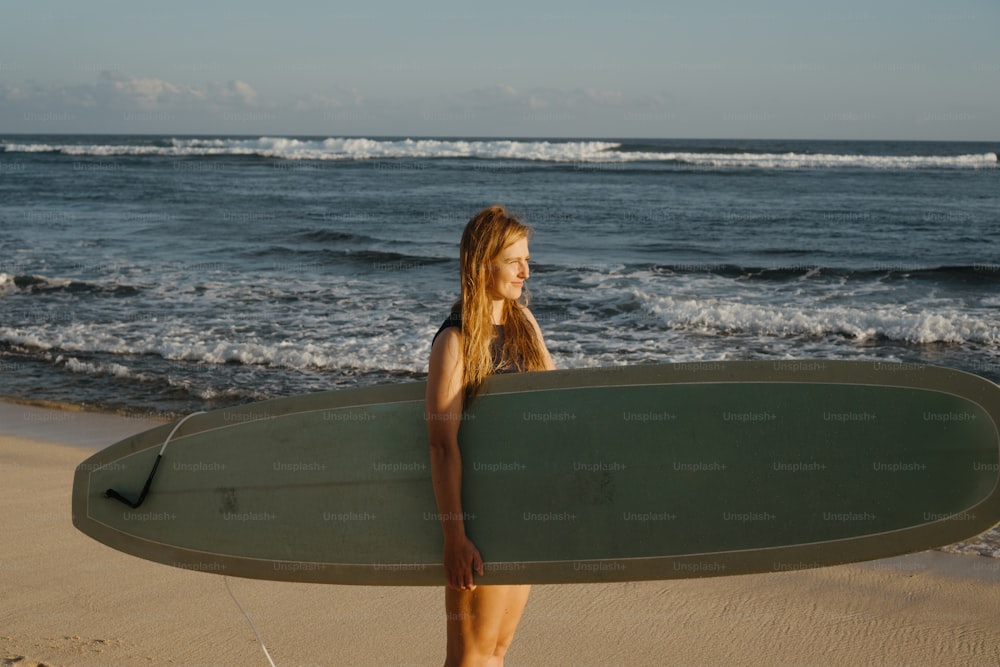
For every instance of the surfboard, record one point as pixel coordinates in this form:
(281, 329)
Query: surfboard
(585, 475)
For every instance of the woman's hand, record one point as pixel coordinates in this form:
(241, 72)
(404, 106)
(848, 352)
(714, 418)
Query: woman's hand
(461, 560)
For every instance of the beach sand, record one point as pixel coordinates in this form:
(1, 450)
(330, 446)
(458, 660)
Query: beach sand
(68, 600)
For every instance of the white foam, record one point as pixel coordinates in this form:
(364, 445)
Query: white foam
(340, 149)
(35, 282)
(860, 323)
(587, 152)
(178, 343)
(113, 369)
(822, 161)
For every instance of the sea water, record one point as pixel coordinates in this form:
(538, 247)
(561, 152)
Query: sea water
(168, 274)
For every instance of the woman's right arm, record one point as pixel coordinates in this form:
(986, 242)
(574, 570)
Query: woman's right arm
(444, 416)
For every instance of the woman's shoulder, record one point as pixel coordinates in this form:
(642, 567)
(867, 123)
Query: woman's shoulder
(527, 313)
(446, 352)
(453, 324)
(531, 318)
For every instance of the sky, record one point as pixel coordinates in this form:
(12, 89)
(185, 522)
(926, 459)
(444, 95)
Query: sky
(894, 70)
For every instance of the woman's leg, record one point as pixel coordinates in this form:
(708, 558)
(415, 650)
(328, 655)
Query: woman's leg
(481, 623)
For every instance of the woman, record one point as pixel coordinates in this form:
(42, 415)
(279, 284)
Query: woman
(490, 330)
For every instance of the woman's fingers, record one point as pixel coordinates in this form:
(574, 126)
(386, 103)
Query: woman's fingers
(461, 564)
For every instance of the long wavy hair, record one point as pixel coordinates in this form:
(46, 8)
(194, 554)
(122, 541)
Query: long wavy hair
(485, 236)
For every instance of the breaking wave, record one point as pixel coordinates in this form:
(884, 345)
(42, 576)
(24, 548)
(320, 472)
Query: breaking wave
(580, 152)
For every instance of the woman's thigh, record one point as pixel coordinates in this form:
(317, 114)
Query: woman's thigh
(483, 620)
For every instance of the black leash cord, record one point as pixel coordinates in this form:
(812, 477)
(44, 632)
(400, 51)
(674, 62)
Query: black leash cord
(111, 493)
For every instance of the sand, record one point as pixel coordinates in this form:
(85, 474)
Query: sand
(68, 600)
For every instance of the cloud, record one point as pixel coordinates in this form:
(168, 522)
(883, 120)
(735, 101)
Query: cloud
(234, 91)
(542, 99)
(149, 94)
(318, 103)
(332, 102)
(503, 109)
(14, 94)
(536, 102)
(115, 91)
(153, 94)
(115, 101)
(613, 97)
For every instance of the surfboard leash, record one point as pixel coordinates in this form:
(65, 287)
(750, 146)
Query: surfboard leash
(247, 616)
(111, 493)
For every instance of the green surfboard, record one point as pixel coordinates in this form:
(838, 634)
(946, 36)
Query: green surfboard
(606, 474)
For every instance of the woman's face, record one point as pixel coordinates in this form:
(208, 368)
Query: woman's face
(510, 270)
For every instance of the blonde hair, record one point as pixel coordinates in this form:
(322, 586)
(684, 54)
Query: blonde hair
(485, 236)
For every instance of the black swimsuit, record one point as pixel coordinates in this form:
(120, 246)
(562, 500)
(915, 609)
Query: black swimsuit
(498, 355)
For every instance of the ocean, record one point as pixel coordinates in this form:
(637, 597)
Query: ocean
(166, 274)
